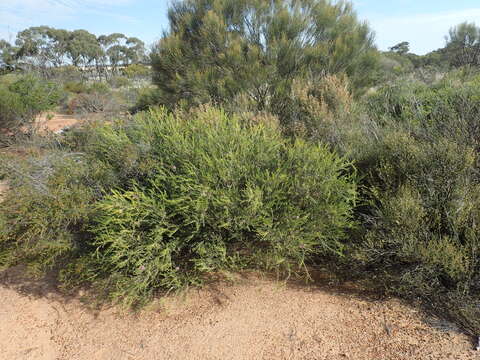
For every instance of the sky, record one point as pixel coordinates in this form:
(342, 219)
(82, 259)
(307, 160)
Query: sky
(423, 23)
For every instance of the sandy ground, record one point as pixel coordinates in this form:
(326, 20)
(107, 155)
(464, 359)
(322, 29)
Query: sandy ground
(3, 188)
(252, 319)
(55, 122)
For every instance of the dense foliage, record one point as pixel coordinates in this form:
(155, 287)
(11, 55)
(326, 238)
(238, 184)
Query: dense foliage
(156, 203)
(218, 49)
(22, 99)
(422, 230)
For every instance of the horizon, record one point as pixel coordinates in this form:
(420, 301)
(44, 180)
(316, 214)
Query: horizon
(405, 20)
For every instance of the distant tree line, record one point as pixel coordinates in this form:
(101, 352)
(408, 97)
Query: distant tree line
(45, 48)
(462, 48)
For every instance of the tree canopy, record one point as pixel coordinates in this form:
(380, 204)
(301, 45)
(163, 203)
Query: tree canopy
(216, 49)
(463, 45)
(401, 48)
(44, 48)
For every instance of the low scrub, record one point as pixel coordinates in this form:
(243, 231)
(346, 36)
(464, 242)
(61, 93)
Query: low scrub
(166, 199)
(416, 149)
(421, 232)
(22, 100)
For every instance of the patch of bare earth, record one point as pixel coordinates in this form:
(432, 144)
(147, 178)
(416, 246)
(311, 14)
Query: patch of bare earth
(55, 122)
(253, 319)
(3, 189)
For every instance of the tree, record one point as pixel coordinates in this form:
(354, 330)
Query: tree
(59, 40)
(7, 56)
(136, 52)
(83, 48)
(33, 46)
(401, 48)
(217, 49)
(463, 45)
(120, 50)
(42, 46)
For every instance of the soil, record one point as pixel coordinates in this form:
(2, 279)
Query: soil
(253, 318)
(3, 189)
(55, 122)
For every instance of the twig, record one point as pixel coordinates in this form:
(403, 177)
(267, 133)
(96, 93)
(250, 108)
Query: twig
(27, 176)
(386, 326)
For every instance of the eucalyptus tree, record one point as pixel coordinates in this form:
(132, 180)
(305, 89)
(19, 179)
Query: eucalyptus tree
(401, 48)
(114, 51)
(463, 45)
(43, 46)
(117, 52)
(7, 56)
(58, 45)
(83, 48)
(34, 48)
(104, 42)
(136, 51)
(216, 49)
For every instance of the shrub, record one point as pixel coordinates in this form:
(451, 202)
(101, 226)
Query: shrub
(36, 95)
(43, 223)
(119, 81)
(97, 98)
(76, 87)
(98, 87)
(447, 109)
(22, 100)
(313, 107)
(88, 103)
(185, 195)
(420, 232)
(147, 96)
(137, 71)
(11, 109)
(423, 231)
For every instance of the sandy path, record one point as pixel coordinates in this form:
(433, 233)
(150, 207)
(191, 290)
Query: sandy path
(254, 319)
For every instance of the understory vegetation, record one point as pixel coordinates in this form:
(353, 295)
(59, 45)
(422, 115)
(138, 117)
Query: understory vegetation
(161, 200)
(319, 152)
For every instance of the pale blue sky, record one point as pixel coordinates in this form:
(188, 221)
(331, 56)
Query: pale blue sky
(424, 23)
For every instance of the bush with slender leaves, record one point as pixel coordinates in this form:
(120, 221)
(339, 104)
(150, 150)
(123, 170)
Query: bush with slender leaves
(169, 198)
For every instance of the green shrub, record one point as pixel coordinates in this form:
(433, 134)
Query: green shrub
(22, 100)
(137, 71)
(145, 98)
(11, 109)
(119, 82)
(43, 222)
(421, 233)
(36, 95)
(168, 198)
(448, 109)
(98, 87)
(75, 87)
(216, 50)
(81, 87)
